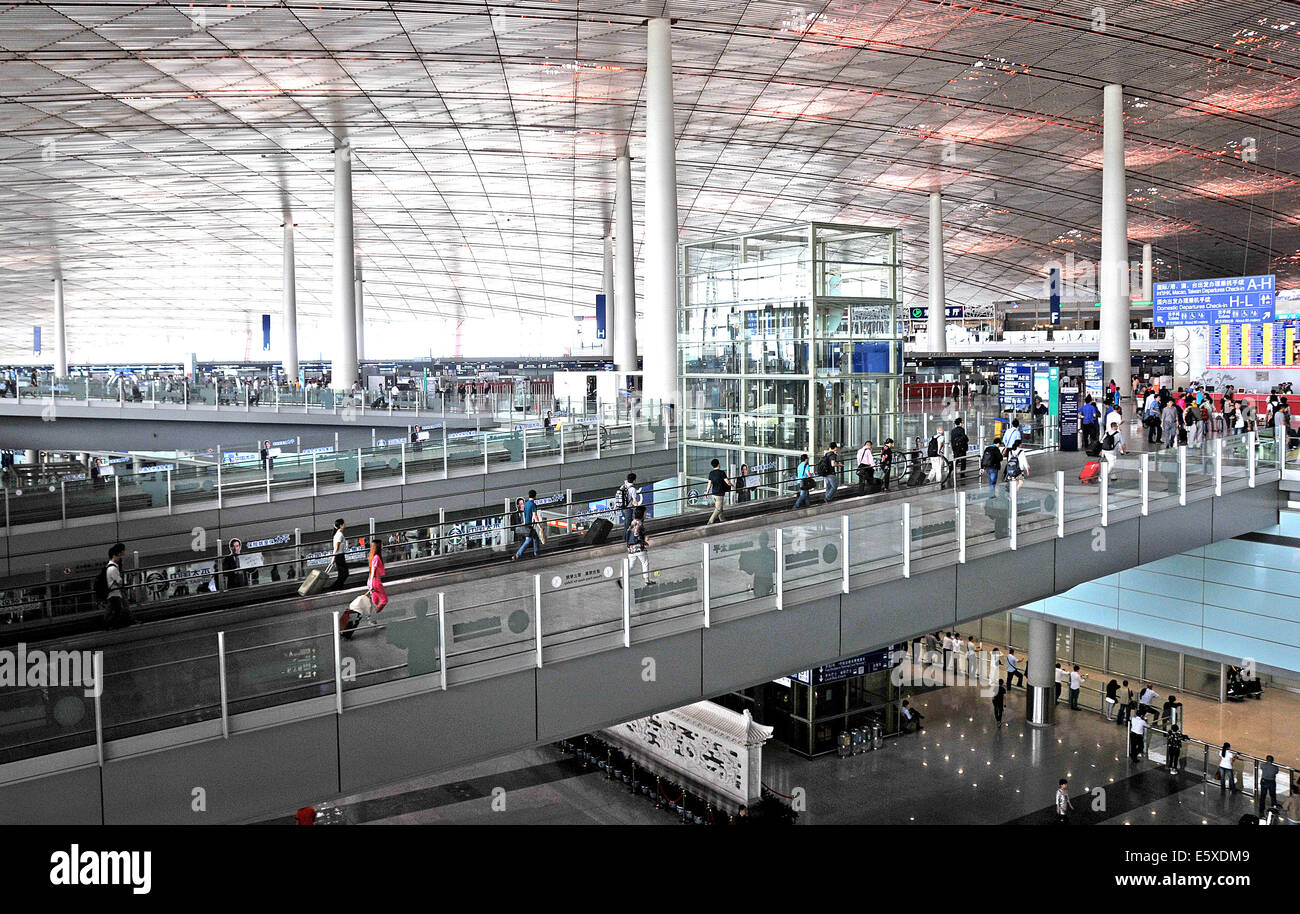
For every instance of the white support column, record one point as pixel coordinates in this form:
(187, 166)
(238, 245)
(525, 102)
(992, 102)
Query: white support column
(221, 672)
(1218, 466)
(1115, 349)
(361, 319)
(1148, 274)
(627, 600)
(442, 639)
(660, 378)
(290, 315)
(1104, 491)
(607, 289)
(338, 666)
(1251, 458)
(344, 363)
(60, 332)
(936, 318)
(624, 331)
(537, 615)
(1013, 499)
(1182, 474)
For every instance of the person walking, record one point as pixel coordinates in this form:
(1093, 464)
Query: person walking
(991, 463)
(1227, 774)
(1112, 700)
(999, 702)
(1060, 678)
(828, 468)
(958, 446)
(803, 477)
(1063, 804)
(1127, 704)
(972, 659)
(741, 484)
(1017, 467)
(1268, 785)
(340, 548)
(530, 527)
(626, 499)
(1013, 669)
(718, 488)
(638, 547)
(375, 583)
(1076, 682)
(911, 716)
(886, 463)
(110, 589)
(1089, 419)
(1174, 748)
(1137, 728)
(866, 469)
(934, 451)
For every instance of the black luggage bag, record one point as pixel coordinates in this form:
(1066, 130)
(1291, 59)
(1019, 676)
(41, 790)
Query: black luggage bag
(597, 533)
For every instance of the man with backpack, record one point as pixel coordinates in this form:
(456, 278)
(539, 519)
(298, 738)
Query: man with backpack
(991, 463)
(828, 468)
(803, 477)
(934, 451)
(626, 500)
(959, 443)
(110, 589)
(1112, 445)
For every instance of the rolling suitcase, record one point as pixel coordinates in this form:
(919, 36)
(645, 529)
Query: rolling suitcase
(597, 532)
(313, 584)
(348, 623)
(1091, 471)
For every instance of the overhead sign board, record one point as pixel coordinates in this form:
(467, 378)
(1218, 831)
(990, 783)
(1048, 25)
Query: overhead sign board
(1016, 385)
(951, 312)
(1197, 302)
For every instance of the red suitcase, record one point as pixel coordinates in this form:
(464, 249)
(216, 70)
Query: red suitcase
(1091, 471)
(348, 622)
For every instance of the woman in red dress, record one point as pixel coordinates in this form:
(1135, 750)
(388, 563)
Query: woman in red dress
(375, 585)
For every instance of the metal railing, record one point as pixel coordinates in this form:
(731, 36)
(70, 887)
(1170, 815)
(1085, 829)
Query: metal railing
(508, 619)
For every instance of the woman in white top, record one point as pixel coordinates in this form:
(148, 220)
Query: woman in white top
(1227, 775)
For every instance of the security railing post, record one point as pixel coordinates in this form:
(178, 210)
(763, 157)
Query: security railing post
(844, 552)
(267, 470)
(627, 600)
(169, 491)
(961, 527)
(562, 425)
(1104, 487)
(1060, 504)
(98, 663)
(403, 463)
(598, 433)
(338, 666)
(525, 436)
(117, 495)
(907, 539)
(442, 639)
(484, 438)
(537, 613)
(221, 670)
(1144, 482)
(707, 562)
(1182, 474)
(359, 485)
(314, 487)
(1250, 459)
(445, 462)
(63, 500)
(1013, 498)
(780, 568)
(1218, 466)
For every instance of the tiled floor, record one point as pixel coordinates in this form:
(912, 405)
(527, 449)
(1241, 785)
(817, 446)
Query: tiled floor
(963, 769)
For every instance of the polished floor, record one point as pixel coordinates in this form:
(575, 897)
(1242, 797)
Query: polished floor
(962, 769)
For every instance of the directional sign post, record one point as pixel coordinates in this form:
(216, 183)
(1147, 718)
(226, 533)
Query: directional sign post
(1237, 300)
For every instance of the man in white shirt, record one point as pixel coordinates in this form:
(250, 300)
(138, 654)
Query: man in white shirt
(972, 659)
(1013, 669)
(866, 469)
(1063, 804)
(1060, 678)
(340, 548)
(116, 611)
(1147, 700)
(947, 649)
(1076, 682)
(1137, 727)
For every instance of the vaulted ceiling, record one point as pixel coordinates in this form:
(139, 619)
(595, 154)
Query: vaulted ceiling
(150, 151)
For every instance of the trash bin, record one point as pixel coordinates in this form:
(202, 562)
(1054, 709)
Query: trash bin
(844, 744)
(877, 735)
(859, 741)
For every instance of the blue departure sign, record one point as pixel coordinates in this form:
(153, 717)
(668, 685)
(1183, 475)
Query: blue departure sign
(1236, 300)
(1016, 385)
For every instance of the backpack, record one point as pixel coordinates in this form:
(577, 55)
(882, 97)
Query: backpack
(100, 586)
(620, 497)
(932, 449)
(1013, 466)
(824, 465)
(960, 443)
(990, 459)
(1108, 442)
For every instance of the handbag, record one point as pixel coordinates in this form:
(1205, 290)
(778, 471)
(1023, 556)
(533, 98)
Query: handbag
(362, 604)
(540, 530)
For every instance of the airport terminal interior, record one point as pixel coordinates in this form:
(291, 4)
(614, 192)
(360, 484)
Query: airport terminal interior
(694, 413)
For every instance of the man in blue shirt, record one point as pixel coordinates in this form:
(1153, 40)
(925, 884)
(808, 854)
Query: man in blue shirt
(530, 528)
(1012, 435)
(1089, 421)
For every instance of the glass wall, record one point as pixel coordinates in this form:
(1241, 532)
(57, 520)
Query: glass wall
(789, 340)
